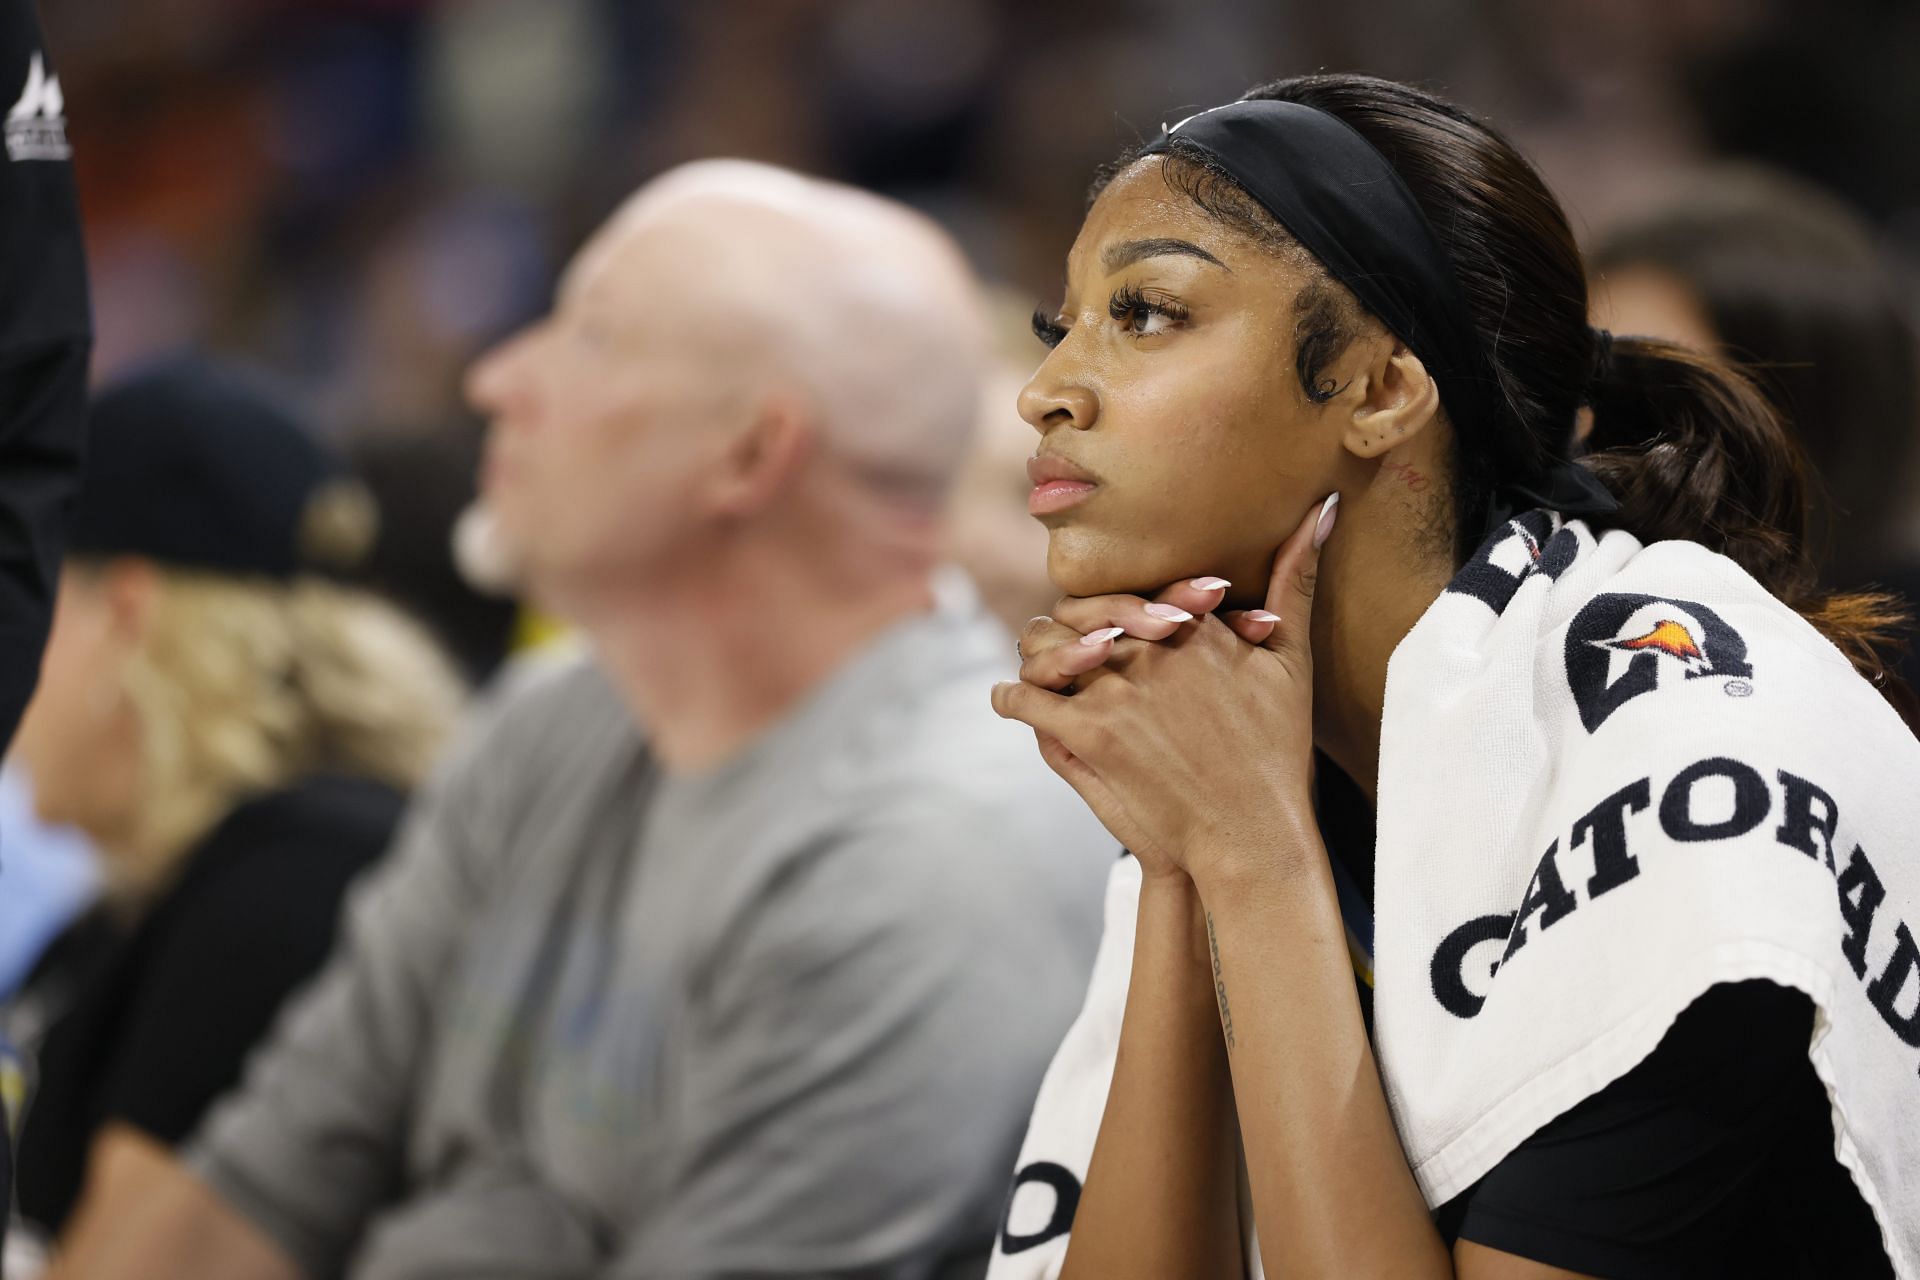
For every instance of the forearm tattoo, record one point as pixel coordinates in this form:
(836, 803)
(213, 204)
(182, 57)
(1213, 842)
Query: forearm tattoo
(1220, 984)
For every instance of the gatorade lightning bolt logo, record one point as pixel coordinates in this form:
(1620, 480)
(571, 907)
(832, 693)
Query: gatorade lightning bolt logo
(1668, 637)
(1620, 646)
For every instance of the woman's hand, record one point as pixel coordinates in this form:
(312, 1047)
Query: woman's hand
(1076, 639)
(1189, 745)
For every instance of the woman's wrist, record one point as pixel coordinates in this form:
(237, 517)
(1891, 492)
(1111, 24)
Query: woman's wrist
(1283, 852)
(1170, 907)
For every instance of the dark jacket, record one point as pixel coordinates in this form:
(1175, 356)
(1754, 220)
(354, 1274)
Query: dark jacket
(45, 338)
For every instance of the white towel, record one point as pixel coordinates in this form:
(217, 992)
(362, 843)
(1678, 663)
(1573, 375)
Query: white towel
(1611, 776)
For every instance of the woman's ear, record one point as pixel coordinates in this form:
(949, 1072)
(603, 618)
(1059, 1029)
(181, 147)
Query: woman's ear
(130, 586)
(1396, 403)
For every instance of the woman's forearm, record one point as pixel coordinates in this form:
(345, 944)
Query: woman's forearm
(1332, 1193)
(1161, 1195)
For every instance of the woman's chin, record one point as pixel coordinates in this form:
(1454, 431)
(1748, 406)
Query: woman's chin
(1099, 571)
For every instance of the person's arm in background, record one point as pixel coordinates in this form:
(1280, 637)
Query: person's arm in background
(283, 1177)
(231, 955)
(46, 335)
(145, 1213)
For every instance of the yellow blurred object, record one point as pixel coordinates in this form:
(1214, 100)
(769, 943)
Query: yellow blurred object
(534, 630)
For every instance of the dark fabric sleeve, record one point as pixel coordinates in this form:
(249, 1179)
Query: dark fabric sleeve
(1713, 1157)
(45, 338)
(229, 954)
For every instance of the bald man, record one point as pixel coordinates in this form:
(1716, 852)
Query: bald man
(738, 950)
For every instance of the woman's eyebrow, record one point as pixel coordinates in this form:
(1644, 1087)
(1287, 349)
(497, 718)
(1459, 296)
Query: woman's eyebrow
(1128, 252)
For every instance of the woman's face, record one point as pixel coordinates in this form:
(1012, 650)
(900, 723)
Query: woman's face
(78, 738)
(1648, 300)
(1175, 438)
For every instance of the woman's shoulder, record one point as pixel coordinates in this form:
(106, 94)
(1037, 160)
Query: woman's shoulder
(318, 828)
(1699, 612)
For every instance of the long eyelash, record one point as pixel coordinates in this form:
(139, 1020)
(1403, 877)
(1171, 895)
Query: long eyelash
(1128, 300)
(1047, 329)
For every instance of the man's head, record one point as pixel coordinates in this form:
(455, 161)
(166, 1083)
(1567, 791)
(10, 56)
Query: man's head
(742, 363)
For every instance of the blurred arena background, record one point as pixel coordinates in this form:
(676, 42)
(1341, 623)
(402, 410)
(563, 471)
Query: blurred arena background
(359, 194)
(356, 198)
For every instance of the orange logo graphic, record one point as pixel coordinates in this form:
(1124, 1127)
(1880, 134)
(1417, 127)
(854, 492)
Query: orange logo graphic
(1668, 637)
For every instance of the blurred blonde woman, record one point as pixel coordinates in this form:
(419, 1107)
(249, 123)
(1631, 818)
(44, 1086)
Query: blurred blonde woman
(236, 731)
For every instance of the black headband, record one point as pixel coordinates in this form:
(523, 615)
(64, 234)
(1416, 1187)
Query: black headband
(1337, 195)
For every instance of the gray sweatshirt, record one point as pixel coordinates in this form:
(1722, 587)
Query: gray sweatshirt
(785, 1018)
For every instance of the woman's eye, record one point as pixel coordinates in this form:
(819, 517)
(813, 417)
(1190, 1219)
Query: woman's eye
(1047, 329)
(1145, 321)
(1142, 317)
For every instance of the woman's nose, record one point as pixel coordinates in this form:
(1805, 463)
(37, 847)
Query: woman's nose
(1052, 399)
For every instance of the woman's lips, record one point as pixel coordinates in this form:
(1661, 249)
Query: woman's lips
(1050, 496)
(1057, 484)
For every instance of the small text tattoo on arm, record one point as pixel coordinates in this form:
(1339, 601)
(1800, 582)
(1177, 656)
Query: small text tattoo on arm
(1220, 984)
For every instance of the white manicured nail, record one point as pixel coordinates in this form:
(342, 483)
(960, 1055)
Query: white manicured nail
(1103, 635)
(1328, 511)
(1171, 613)
(1209, 584)
(1261, 615)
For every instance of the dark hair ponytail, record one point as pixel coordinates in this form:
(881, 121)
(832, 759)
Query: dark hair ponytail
(1687, 444)
(1694, 450)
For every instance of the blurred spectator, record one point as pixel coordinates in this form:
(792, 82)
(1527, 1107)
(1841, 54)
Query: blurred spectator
(740, 950)
(993, 536)
(422, 479)
(52, 874)
(235, 734)
(45, 336)
(346, 192)
(1782, 276)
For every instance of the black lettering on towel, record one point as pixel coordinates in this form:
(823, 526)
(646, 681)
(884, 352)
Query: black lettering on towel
(1066, 1202)
(1799, 823)
(1861, 894)
(1547, 895)
(1886, 990)
(1448, 972)
(1749, 801)
(1606, 826)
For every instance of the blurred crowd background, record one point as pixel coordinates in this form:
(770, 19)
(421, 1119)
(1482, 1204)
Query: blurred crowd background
(355, 198)
(358, 195)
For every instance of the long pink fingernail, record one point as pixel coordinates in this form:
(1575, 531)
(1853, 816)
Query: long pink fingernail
(1261, 615)
(1103, 635)
(1328, 510)
(1171, 612)
(1209, 584)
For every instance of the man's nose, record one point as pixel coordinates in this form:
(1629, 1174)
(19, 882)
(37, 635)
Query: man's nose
(495, 378)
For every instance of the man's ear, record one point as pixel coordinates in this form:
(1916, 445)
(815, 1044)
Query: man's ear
(761, 462)
(1396, 403)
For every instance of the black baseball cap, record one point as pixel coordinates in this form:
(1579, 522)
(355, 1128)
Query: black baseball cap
(194, 463)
